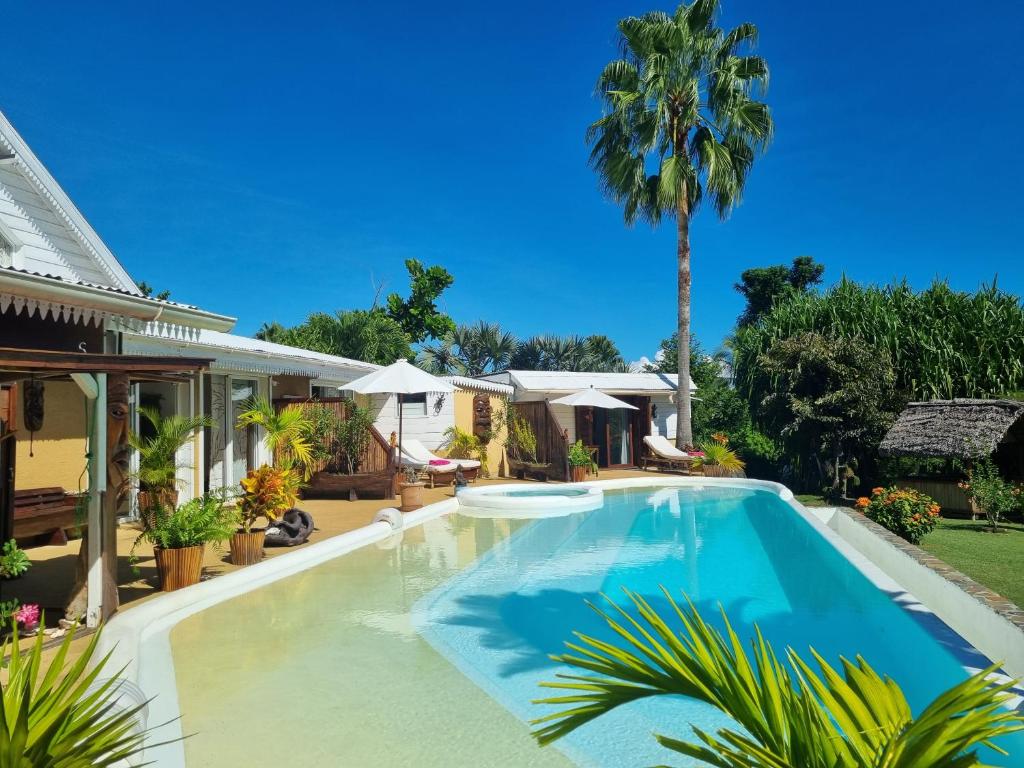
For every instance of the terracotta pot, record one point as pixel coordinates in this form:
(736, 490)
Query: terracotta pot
(247, 548)
(179, 567)
(150, 501)
(715, 470)
(579, 473)
(412, 496)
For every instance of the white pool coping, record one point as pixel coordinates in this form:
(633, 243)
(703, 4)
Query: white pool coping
(542, 500)
(139, 638)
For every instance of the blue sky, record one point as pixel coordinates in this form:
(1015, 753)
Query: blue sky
(266, 161)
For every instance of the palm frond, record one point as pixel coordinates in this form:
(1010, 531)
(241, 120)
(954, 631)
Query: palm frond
(792, 715)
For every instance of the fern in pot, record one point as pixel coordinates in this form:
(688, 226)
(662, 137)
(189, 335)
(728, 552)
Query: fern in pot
(580, 461)
(267, 493)
(179, 536)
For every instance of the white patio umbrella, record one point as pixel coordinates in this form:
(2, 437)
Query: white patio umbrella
(593, 398)
(400, 378)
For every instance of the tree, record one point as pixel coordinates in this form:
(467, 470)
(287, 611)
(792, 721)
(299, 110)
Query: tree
(763, 286)
(470, 350)
(147, 290)
(418, 315)
(682, 122)
(568, 353)
(359, 334)
(829, 397)
(789, 714)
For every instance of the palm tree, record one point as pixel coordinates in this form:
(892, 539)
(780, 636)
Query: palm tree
(604, 355)
(792, 715)
(158, 464)
(285, 432)
(682, 122)
(470, 350)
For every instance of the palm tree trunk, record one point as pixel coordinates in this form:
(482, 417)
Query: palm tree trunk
(684, 428)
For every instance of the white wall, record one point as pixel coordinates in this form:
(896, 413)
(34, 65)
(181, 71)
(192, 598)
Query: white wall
(428, 429)
(47, 245)
(664, 421)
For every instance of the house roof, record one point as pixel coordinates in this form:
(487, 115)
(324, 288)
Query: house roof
(571, 381)
(959, 428)
(79, 301)
(479, 385)
(31, 168)
(233, 352)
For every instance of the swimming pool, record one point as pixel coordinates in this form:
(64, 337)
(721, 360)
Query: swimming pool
(426, 648)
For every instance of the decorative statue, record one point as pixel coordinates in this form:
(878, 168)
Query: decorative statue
(482, 416)
(118, 392)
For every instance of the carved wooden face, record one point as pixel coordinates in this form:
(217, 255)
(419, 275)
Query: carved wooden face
(33, 401)
(481, 415)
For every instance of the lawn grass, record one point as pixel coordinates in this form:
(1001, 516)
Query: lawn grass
(813, 500)
(993, 559)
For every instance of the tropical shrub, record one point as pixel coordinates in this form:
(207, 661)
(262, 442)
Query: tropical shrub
(321, 432)
(993, 495)
(942, 343)
(354, 435)
(206, 519)
(465, 445)
(285, 432)
(521, 442)
(267, 492)
(58, 714)
(579, 456)
(790, 714)
(908, 513)
(158, 454)
(13, 560)
(718, 454)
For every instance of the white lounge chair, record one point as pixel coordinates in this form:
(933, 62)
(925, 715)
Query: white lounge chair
(438, 469)
(664, 455)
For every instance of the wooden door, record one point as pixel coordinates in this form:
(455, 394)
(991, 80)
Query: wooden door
(8, 451)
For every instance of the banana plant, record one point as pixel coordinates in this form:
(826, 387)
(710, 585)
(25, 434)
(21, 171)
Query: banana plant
(792, 715)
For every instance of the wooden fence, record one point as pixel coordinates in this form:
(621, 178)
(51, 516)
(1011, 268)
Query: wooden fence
(552, 443)
(376, 458)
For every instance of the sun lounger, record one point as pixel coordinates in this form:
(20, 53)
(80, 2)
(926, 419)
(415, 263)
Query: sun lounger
(438, 469)
(661, 453)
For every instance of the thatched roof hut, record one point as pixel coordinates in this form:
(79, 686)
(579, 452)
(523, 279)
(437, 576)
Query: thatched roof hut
(959, 429)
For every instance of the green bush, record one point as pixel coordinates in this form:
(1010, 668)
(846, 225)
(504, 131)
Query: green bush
(993, 495)
(13, 560)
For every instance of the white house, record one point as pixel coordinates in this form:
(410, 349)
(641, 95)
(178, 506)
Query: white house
(615, 434)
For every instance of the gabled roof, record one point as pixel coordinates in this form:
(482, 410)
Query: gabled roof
(232, 352)
(28, 166)
(571, 381)
(959, 428)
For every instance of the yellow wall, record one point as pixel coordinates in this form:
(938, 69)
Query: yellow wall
(59, 447)
(464, 421)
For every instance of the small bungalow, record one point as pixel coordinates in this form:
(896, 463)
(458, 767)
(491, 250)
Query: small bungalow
(961, 429)
(616, 436)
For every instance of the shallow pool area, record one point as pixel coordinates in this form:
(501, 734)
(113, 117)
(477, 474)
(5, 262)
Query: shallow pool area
(425, 648)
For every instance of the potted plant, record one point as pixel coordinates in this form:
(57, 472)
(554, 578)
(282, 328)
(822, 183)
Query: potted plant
(179, 536)
(13, 560)
(158, 457)
(718, 460)
(580, 461)
(267, 493)
(411, 490)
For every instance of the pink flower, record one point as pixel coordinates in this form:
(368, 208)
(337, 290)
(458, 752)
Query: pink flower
(27, 615)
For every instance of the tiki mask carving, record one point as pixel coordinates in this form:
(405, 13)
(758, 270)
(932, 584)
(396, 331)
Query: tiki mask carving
(118, 389)
(32, 405)
(481, 416)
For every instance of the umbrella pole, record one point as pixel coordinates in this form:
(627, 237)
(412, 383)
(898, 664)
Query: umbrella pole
(401, 397)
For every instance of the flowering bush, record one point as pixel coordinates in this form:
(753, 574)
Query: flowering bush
(990, 493)
(27, 615)
(906, 512)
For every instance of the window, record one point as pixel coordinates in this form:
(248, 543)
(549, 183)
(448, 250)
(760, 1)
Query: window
(414, 405)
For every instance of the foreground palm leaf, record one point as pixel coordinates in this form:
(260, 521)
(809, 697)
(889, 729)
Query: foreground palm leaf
(63, 717)
(793, 716)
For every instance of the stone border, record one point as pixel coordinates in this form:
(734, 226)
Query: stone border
(993, 600)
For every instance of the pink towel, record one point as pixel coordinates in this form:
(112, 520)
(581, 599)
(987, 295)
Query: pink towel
(438, 462)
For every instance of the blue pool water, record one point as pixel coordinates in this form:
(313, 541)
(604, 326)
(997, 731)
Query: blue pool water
(499, 619)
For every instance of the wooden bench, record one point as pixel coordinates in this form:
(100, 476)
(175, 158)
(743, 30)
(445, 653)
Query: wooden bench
(42, 511)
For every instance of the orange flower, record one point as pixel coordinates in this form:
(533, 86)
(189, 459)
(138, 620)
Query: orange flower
(863, 502)
(876, 491)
